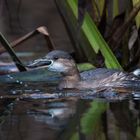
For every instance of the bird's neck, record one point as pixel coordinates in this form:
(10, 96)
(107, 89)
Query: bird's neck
(70, 79)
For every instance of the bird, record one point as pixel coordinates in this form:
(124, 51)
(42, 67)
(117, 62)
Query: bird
(63, 63)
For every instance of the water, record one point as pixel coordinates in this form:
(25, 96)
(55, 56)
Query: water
(36, 111)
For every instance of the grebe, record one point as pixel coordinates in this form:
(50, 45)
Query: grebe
(62, 62)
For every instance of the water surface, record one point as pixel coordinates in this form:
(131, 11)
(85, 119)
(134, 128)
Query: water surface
(37, 111)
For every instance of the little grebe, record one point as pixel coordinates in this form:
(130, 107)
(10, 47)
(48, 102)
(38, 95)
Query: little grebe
(62, 62)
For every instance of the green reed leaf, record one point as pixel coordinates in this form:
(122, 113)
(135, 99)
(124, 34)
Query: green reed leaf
(94, 37)
(137, 18)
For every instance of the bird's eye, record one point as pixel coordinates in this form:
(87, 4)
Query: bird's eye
(55, 58)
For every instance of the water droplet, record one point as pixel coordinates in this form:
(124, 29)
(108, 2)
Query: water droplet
(9, 76)
(37, 90)
(136, 95)
(17, 99)
(14, 92)
(25, 85)
(1, 97)
(21, 82)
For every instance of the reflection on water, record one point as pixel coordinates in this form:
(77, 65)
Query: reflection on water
(36, 112)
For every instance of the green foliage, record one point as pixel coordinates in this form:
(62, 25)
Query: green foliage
(98, 43)
(75, 136)
(138, 132)
(137, 18)
(95, 38)
(115, 8)
(91, 120)
(85, 66)
(100, 6)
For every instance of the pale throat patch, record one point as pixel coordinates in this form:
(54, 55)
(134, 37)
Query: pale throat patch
(59, 67)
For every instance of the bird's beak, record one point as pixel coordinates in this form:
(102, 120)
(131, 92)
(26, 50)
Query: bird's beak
(40, 63)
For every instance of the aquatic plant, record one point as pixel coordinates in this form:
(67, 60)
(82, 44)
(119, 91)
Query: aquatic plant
(88, 24)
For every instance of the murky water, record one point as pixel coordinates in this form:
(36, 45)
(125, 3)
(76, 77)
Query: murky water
(36, 111)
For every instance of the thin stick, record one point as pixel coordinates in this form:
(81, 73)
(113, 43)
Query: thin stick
(16, 60)
(40, 30)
